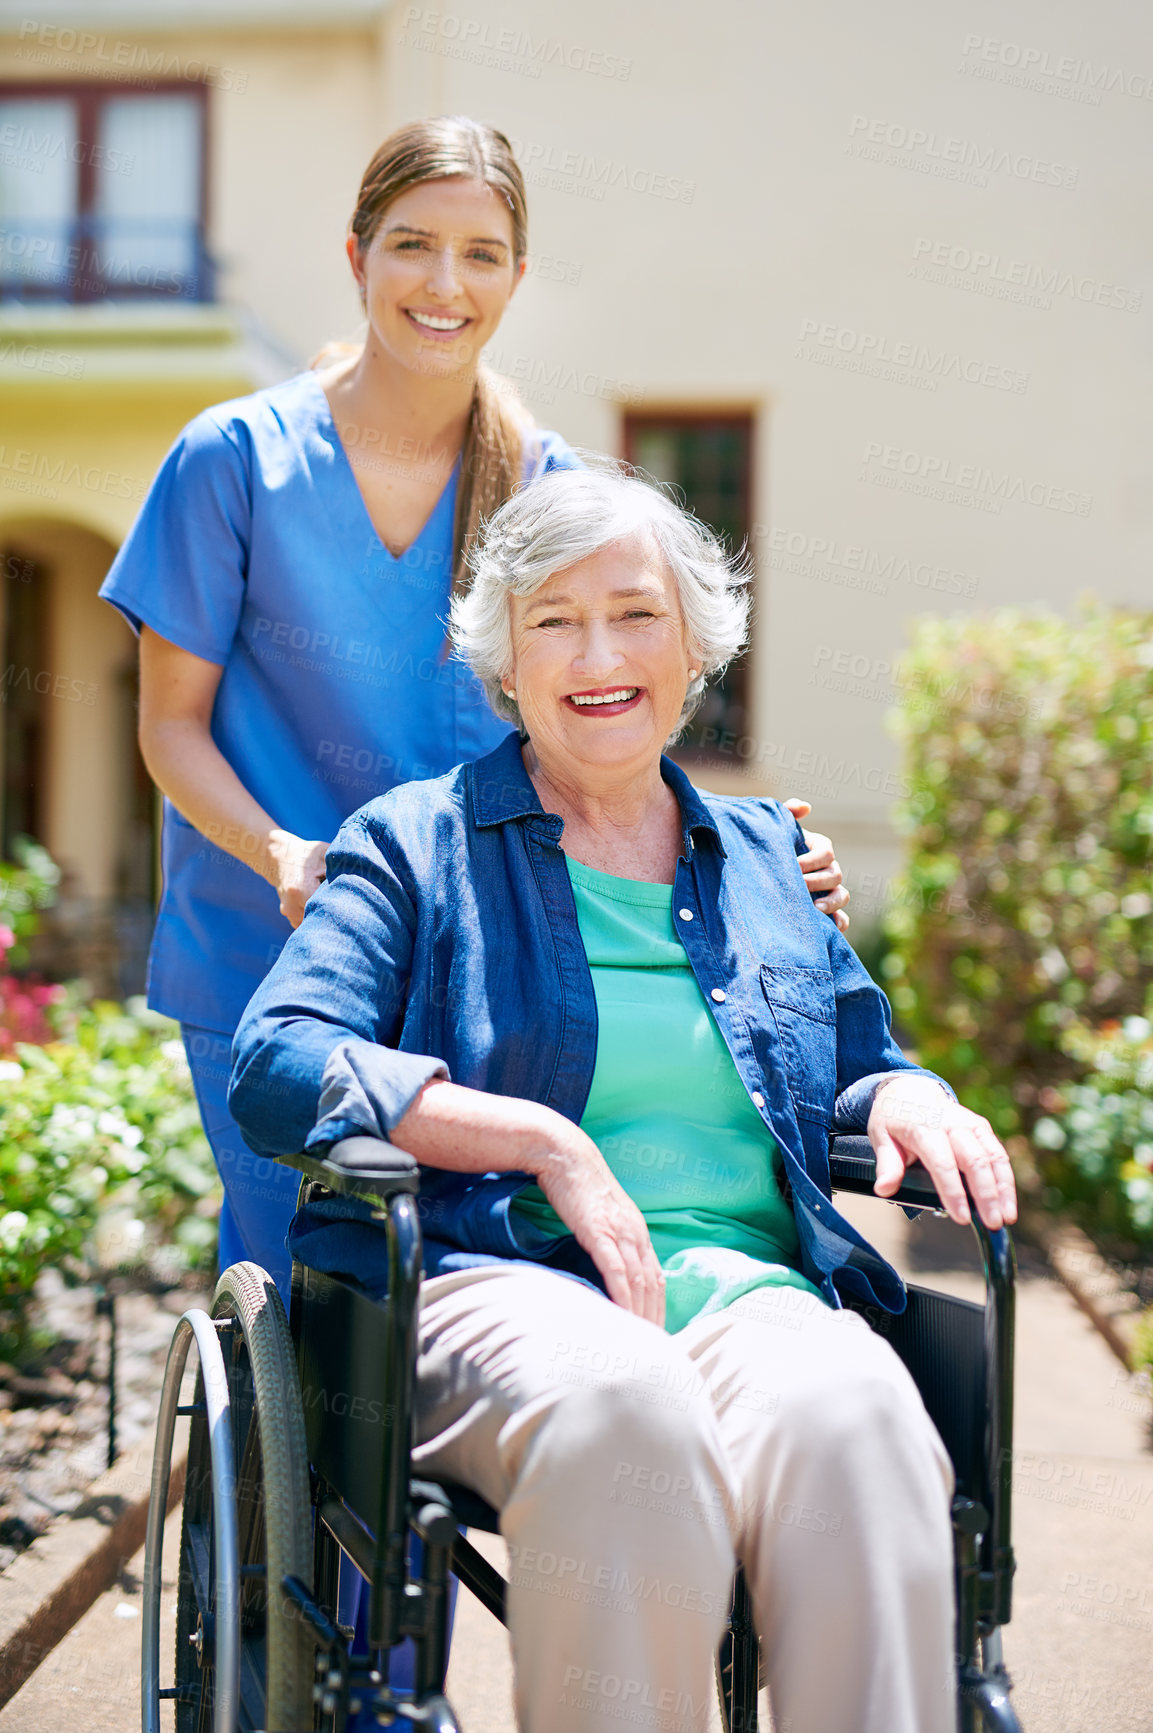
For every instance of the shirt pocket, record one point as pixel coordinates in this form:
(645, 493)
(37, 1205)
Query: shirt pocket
(804, 1009)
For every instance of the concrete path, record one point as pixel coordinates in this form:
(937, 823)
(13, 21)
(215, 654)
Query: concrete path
(1081, 1643)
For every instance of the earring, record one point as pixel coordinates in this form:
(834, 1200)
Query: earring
(693, 672)
(511, 693)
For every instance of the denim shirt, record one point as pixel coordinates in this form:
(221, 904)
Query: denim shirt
(444, 943)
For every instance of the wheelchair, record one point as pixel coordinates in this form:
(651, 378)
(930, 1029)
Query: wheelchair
(298, 1457)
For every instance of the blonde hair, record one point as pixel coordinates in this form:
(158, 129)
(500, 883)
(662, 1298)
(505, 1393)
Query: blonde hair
(501, 434)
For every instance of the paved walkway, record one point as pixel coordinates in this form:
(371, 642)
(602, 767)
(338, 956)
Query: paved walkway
(1081, 1643)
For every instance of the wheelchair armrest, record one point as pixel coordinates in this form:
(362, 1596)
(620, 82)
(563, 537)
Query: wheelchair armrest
(853, 1167)
(365, 1167)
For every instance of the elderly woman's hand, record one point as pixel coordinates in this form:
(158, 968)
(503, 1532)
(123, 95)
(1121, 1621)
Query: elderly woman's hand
(471, 1131)
(580, 1186)
(821, 870)
(913, 1119)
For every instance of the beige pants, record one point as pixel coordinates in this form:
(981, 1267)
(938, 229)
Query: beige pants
(632, 1468)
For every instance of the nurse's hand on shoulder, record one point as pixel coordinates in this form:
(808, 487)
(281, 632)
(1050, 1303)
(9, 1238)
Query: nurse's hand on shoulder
(913, 1119)
(821, 869)
(299, 868)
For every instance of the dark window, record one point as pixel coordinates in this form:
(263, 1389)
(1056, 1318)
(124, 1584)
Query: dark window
(21, 696)
(102, 192)
(708, 459)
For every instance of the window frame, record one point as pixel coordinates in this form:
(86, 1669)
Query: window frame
(678, 416)
(88, 94)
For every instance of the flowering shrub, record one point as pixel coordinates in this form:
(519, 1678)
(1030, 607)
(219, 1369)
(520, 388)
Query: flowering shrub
(103, 1164)
(1020, 952)
(26, 887)
(1096, 1142)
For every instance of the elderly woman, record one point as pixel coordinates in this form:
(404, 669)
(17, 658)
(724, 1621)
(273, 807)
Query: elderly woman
(599, 1008)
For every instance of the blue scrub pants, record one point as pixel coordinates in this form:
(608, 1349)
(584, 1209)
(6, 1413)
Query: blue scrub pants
(259, 1195)
(259, 1203)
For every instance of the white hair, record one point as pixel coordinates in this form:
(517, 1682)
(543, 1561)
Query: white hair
(567, 516)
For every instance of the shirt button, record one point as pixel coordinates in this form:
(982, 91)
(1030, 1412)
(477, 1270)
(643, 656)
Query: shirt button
(685, 914)
(717, 996)
(758, 1098)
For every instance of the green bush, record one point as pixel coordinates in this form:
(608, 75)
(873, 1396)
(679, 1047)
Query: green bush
(1095, 1145)
(103, 1164)
(1141, 1352)
(1021, 931)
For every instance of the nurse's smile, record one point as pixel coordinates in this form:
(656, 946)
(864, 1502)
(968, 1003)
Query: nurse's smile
(436, 325)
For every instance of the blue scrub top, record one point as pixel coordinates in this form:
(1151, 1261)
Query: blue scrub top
(254, 550)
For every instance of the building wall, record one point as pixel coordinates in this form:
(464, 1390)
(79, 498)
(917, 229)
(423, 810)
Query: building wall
(87, 455)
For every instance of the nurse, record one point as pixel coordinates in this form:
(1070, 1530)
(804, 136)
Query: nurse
(289, 576)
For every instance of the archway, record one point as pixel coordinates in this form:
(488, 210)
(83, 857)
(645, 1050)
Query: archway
(72, 773)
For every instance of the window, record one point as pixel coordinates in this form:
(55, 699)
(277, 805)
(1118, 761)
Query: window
(22, 716)
(102, 193)
(708, 458)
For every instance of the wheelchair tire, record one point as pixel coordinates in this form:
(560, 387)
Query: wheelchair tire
(273, 1508)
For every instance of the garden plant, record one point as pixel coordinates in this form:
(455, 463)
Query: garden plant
(103, 1165)
(1019, 953)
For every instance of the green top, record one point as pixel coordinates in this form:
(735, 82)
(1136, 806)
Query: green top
(669, 1113)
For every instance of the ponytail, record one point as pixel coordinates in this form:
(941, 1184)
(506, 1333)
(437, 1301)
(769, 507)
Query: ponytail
(500, 438)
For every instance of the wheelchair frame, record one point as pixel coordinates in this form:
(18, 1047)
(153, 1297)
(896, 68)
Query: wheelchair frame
(348, 1431)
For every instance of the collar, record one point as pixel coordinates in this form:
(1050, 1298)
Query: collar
(501, 790)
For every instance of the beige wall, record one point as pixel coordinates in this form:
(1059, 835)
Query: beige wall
(289, 151)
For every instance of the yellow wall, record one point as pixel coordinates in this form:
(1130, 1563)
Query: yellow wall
(90, 651)
(87, 457)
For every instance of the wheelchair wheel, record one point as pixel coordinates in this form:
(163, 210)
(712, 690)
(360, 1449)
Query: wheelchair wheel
(267, 1482)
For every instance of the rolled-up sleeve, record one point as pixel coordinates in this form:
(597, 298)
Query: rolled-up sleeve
(316, 1055)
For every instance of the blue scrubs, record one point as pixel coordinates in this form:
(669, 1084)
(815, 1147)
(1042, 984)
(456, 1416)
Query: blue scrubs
(254, 550)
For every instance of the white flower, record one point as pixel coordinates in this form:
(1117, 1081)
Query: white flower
(12, 1225)
(1136, 1028)
(115, 1125)
(1047, 1134)
(10, 1071)
(71, 1125)
(1136, 905)
(127, 1156)
(117, 1239)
